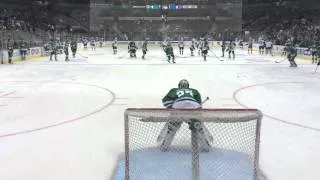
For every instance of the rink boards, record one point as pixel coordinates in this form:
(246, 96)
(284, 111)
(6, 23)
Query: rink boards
(37, 52)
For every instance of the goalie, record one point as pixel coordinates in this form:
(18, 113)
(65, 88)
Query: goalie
(183, 97)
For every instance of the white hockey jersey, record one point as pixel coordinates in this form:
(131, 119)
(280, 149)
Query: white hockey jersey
(268, 44)
(181, 44)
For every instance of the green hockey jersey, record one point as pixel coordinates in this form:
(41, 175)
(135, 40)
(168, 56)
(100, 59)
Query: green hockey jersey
(73, 45)
(292, 51)
(145, 46)
(177, 95)
(231, 47)
(169, 51)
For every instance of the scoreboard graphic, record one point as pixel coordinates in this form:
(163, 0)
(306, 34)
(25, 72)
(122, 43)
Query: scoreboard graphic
(170, 6)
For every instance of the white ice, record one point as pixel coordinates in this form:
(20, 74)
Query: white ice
(75, 110)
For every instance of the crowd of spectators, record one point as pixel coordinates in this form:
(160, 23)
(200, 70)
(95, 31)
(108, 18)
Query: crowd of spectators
(282, 23)
(276, 24)
(17, 19)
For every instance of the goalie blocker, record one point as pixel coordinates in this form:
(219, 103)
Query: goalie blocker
(184, 97)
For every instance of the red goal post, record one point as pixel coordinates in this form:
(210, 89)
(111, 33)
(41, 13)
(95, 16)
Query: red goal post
(235, 131)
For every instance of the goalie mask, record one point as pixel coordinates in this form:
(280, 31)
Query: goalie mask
(183, 84)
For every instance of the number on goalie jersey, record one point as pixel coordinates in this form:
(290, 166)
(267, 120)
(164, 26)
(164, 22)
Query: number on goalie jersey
(182, 97)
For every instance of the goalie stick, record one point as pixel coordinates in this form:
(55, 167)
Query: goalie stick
(205, 129)
(205, 100)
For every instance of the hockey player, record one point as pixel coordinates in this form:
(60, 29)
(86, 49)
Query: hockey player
(269, 47)
(101, 42)
(223, 47)
(230, 50)
(205, 48)
(23, 49)
(74, 47)
(181, 46)
(286, 46)
(144, 48)
(241, 44)
(115, 45)
(53, 46)
(85, 43)
(183, 97)
(196, 42)
(292, 53)
(10, 50)
(250, 44)
(192, 47)
(132, 48)
(93, 44)
(314, 53)
(201, 42)
(169, 53)
(66, 50)
(284, 50)
(261, 46)
(164, 45)
(318, 53)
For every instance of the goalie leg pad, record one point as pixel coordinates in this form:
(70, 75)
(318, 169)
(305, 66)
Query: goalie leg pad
(204, 140)
(167, 134)
(204, 135)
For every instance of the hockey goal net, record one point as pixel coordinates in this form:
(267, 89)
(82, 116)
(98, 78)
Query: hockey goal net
(234, 144)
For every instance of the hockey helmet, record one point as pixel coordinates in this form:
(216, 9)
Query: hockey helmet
(183, 84)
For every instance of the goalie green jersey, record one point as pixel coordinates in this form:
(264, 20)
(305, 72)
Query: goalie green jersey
(178, 95)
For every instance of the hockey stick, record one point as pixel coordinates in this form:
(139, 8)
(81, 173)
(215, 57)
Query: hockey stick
(315, 70)
(123, 55)
(220, 59)
(82, 56)
(181, 56)
(281, 60)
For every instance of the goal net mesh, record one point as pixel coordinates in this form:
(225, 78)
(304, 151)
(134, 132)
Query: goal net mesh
(233, 153)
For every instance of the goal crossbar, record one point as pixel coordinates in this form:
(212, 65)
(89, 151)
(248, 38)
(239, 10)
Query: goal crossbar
(204, 115)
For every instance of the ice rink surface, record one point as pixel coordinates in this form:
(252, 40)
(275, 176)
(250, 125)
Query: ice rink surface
(64, 121)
